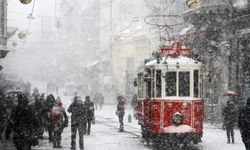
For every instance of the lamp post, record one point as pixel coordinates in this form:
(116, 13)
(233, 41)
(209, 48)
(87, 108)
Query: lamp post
(3, 29)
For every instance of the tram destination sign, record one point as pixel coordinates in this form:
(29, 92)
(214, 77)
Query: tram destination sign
(175, 50)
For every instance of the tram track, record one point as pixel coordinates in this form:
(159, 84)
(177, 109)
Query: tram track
(137, 134)
(111, 123)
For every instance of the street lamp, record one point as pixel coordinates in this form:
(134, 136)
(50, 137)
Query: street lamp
(25, 1)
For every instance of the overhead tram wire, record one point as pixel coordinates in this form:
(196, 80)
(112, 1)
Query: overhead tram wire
(30, 17)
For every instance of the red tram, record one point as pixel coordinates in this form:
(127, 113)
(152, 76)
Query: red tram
(170, 105)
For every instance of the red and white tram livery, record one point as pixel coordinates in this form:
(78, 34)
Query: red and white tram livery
(170, 104)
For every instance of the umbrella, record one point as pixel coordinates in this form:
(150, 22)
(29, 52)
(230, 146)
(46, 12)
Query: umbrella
(230, 93)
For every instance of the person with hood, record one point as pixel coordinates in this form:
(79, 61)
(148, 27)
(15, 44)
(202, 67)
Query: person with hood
(230, 117)
(244, 124)
(120, 111)
(23, 123)
(60, 121)
(78, 121)
(90, 113)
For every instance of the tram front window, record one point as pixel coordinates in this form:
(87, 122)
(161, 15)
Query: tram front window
(196, 83)
(170, 87)
(158, 83)
(184, 83)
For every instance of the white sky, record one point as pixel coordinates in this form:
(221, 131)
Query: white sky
(18, 12)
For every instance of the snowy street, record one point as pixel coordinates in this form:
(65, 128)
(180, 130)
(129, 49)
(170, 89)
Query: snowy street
(104, 134)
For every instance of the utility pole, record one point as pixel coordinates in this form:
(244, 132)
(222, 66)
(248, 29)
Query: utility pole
(3, 29)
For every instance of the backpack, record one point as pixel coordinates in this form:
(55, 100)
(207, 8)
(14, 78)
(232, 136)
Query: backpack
(56, 113)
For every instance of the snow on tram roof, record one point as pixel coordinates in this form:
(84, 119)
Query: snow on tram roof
(173, 60)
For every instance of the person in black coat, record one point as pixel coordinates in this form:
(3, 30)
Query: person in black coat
(229, 114)
(23, 123)
(49, 104)
(90, 113)
(244, 124)
(78, 121)
(120, 111)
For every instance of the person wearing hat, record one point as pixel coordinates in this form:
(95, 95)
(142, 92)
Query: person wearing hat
(90, 113)
(244, 124)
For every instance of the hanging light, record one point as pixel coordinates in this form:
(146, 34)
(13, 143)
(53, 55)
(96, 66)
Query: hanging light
(191, 3)
(22, 35)
(25, 1)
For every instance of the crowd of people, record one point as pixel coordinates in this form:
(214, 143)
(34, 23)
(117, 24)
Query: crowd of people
(25, 118)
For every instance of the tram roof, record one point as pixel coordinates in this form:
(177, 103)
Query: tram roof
(173, 60)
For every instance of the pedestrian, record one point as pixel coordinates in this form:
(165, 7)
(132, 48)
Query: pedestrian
(244, 124)
(78, 121)
(39, 111)
(90, 113)
(101, 101)
(133, 104)
(120, 111)
(49, 104)
(60, 121)
(23, 124)
(230, 117)
(96, 100)
(3, 115)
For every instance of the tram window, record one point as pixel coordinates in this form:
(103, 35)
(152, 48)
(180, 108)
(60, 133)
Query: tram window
(140, 85)
(184, 83)
(158, 83)
(170, 83)
(153, 83)
(148, 84)
(196, 83)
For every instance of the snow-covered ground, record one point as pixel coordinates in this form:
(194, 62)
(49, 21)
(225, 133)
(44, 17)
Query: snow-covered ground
(107, 138)
(105, 135)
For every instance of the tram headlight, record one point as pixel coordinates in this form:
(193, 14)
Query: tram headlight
(177, 118)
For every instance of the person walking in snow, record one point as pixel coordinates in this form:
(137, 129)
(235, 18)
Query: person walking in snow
(120, 111)
(23, 123)
(229, 114)
(49, 104)
(60, 121)
(78, 121)
(244, 124)
(90, 112)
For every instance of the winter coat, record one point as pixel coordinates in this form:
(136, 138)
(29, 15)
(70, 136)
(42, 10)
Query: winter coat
(59, 118)
(22, 122)
(90, 110)
(120, 109)
(244, 122)
(78, 110)
(230, 115)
